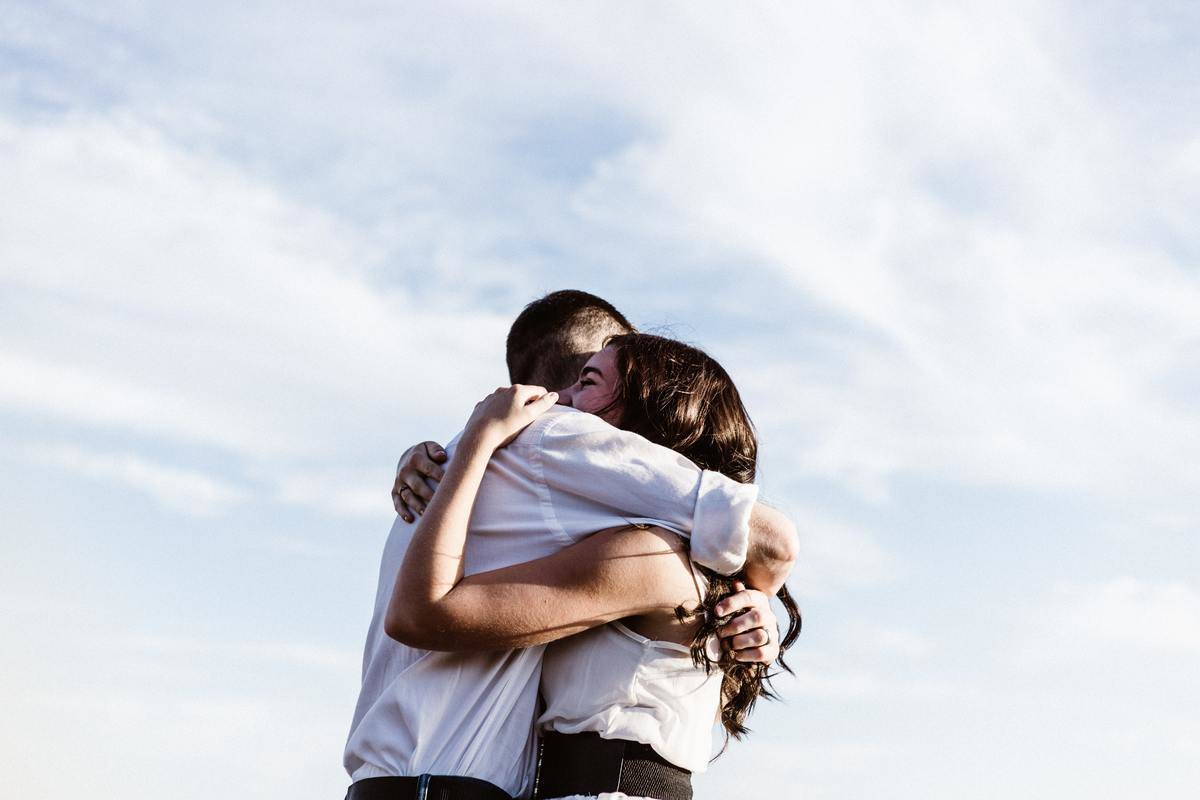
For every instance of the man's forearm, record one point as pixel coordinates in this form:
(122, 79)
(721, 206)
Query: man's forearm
(773, 550)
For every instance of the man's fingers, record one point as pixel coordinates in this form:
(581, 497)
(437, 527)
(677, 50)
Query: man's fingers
(741, 623)
(760, 655)
(757, 637)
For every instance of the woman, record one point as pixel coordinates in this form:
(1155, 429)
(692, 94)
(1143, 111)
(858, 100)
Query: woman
(641, 691)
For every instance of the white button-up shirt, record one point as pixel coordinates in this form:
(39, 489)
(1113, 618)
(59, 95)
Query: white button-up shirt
(567, 475)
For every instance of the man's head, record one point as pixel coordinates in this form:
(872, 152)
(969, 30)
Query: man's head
(554, 336)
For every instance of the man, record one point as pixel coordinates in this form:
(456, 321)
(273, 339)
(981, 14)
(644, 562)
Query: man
(467, 717)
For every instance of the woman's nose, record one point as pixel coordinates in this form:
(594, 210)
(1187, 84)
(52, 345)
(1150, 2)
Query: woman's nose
(566, 397)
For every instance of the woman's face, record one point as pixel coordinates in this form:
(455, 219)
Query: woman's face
(595, 388)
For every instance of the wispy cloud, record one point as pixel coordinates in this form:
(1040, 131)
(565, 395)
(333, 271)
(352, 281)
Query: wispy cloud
(835, 556)
(1002, 316)
(1147, 615)
(363, 494)
(166, 292)
(186, 491)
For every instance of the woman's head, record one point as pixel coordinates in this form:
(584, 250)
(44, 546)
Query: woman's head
(672, 394)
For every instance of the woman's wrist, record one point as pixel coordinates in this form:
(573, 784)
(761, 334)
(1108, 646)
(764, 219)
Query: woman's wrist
(478, 441)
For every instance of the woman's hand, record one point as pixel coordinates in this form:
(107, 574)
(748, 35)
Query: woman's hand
(499, 417)
(753, 635)
(416, 477)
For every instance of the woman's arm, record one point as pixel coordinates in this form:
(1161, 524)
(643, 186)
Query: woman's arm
(433, 563)
(609, 575)
(605, 577)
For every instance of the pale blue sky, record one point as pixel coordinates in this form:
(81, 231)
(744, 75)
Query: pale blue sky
(248, 254)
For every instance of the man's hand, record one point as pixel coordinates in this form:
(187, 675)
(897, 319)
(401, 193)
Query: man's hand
(413, 489)
(753, 635)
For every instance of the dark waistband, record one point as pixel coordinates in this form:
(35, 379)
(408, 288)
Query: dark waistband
(585, 763)
(425, 787)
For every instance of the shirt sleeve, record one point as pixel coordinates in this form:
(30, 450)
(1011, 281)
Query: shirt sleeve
(626, 475)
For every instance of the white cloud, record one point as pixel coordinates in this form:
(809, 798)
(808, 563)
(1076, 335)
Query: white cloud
(166, 292)
(363, 495)
(186, 491)
(1004, 318)
(1130, 612)
(835, 556)
(877, 640)
(300, 654)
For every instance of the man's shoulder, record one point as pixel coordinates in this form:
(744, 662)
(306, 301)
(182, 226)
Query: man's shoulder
(562, 421)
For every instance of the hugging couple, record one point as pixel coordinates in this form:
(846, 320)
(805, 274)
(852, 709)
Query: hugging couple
(576, 588)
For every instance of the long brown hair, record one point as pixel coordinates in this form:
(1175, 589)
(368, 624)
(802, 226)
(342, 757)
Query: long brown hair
(678, 396)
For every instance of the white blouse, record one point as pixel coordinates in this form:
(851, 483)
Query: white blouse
(616, 682)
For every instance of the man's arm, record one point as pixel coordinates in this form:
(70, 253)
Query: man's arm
(773, 549)
(727, 531)
(590, 467)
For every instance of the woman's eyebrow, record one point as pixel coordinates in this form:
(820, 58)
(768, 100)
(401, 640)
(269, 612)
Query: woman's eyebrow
(586, 370)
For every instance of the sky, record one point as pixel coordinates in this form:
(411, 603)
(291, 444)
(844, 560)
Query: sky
(249, 252)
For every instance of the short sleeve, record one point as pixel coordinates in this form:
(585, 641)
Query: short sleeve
(591, 466)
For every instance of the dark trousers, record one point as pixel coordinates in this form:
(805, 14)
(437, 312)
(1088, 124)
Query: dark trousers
(425, 787)
(584, 763)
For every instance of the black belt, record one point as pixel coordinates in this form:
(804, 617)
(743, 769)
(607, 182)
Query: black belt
(425, 787)
(584, 763)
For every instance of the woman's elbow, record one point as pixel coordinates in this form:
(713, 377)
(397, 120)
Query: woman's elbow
(430, 629)
(402, 624)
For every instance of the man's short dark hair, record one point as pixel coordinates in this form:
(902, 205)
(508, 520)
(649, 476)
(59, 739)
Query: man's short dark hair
(551, 339)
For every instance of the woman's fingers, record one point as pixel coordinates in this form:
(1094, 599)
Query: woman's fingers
(500, 416)
(427, 460)
(398, 502)
(414, 501)
(411, 492)
(540, 404)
